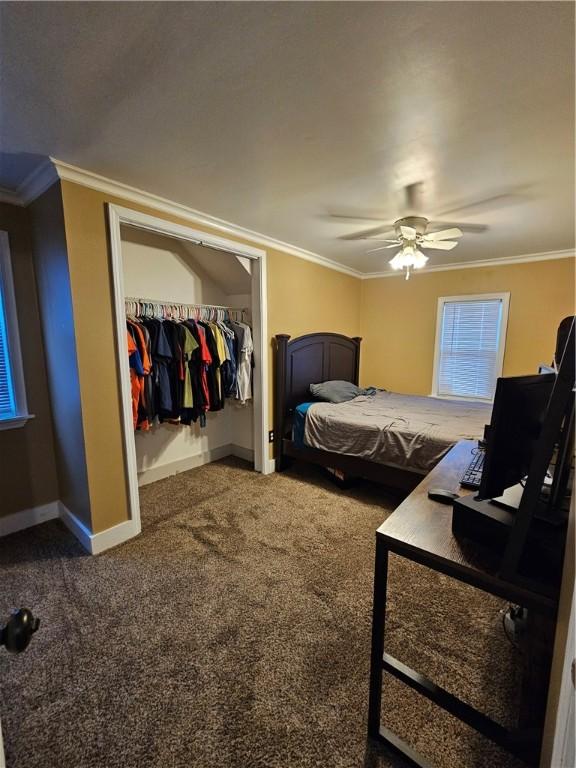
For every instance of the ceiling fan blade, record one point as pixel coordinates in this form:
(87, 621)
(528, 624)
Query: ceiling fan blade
(444, 234)
(383, 247)
(413, 197)
(354, 218)
(494, 202)
(408, 232)
(441, 245)
(385, 229)
(384, 240)
(472, 228)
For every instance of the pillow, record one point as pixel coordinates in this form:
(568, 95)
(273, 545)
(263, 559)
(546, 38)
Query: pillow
(336, 391)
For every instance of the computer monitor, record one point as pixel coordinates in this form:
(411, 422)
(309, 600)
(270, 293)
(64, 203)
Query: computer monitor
(520, 405)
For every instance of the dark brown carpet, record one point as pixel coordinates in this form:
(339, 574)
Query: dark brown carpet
(235, 633)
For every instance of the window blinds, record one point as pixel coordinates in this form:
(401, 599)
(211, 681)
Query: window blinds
(7, 401)
(469, 345)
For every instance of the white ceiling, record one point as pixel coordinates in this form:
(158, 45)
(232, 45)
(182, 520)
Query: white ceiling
(275, 116)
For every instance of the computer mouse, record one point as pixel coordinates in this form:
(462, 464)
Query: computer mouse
(442, 495)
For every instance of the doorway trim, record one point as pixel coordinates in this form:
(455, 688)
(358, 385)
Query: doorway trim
(118, 215)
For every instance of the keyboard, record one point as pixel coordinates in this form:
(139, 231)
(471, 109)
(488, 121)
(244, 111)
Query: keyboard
(473, 473)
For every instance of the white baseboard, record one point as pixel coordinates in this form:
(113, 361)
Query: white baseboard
(94, 543)
(269, 466)
(18, 521)
(191, 462)
(242, 453)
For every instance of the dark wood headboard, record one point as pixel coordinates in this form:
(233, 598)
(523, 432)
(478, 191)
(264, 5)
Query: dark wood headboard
(306, 360)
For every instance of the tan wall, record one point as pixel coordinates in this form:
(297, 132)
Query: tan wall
(398, 320)
(51, 264)
(27, 465)
(302, 297)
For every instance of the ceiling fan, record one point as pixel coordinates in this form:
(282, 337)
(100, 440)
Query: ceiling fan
(411, 231)
(413, 202)
(411, 235)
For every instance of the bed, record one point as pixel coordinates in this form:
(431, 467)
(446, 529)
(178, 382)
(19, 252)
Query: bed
(383, 436)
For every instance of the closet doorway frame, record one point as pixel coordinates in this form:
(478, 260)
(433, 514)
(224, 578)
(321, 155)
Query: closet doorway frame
(119, 215)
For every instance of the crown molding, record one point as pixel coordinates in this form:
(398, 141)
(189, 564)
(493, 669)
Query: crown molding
(71, 173)
(37, 182)
(505, 260)
(52, 169)
(10, 197)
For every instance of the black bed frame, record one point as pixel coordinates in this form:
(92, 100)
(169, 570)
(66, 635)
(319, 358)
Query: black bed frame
(311, 359)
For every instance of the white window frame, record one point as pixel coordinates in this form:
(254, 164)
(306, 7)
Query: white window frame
(13, 337)
(442, 300)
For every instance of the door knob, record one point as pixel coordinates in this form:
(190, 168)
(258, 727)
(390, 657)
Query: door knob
(18, 630)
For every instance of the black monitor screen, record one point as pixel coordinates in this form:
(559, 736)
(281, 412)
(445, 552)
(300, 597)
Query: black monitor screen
(519, 407)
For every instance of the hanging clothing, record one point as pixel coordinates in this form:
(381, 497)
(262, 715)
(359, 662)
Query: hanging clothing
(136, 374)
(161, 360)
(208, 375)
(141, 339)
(197, 366)
(213, 370)
(189, 345)
(223, 355)
(176, 370)
(180, 369)
(244, 367)
(228, 367)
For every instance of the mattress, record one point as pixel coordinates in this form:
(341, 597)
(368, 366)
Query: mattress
(406, 431)
(299, 424)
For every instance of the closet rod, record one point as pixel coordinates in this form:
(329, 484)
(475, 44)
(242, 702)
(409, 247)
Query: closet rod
(166, 303)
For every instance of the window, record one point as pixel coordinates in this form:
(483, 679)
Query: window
(470, 337)
(13, 410)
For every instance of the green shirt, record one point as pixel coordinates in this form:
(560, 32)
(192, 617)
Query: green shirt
(190, 344)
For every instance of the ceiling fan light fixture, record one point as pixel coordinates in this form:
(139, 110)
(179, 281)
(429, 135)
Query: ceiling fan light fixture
(411, 235)
(408, 258)
(397, 262)
(420, 260)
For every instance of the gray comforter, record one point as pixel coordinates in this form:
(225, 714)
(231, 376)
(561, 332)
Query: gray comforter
(405, 431)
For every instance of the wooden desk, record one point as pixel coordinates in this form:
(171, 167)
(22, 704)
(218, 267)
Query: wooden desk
(421, 530)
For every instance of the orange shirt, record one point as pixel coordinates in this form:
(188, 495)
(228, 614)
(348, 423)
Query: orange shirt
(136, 383)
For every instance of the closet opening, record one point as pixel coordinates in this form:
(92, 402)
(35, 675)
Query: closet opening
(191, 309)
